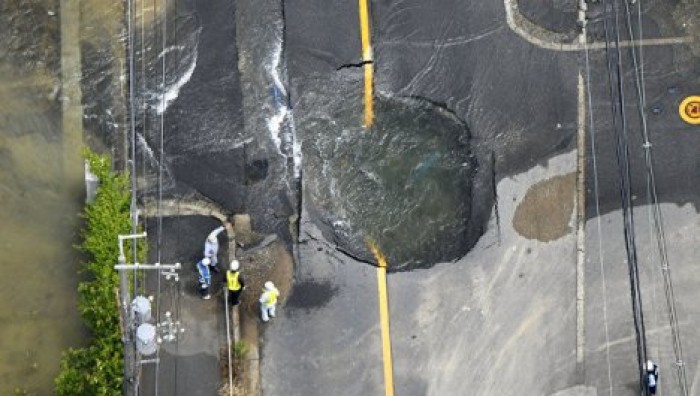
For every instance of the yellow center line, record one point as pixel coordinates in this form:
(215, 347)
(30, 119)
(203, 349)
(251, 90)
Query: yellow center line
(369, 67)
(384, 319)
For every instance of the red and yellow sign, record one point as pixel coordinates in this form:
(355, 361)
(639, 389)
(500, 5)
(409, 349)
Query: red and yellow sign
(690, 110)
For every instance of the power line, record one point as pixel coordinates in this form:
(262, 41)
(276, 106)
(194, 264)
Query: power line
(177, 340)
(617, 96)
(164, 41)
(653, 200)
(162, 126)
(131, 355)
(144, 125)
(597, 209)
(130, 380)
(176, 304)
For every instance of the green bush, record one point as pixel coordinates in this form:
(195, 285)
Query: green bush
(97, 368)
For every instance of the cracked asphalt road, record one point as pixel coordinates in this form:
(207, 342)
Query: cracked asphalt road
(502, 318)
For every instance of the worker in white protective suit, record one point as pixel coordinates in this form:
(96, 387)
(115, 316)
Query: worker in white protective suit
(268, 301)
(211, 248)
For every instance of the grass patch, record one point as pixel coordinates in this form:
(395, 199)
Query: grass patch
(240, 350)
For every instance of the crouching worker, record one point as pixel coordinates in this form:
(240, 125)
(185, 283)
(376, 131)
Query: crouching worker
(204, 277)
(268, 301)
(234, 283)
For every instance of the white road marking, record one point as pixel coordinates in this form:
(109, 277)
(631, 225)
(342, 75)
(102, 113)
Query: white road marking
(512, 10)
(581, 222)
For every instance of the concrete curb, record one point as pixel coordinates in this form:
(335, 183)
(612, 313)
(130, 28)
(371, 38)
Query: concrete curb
(71, 76)
(184, 207)
(543, 38)
(532, 33)
(580, 202)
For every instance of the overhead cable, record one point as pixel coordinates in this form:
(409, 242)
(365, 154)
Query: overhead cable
(652, 197)
(617, 97)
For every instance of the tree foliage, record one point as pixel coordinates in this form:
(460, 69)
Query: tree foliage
(97, 368)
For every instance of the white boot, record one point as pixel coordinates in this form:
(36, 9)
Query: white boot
(263, 313)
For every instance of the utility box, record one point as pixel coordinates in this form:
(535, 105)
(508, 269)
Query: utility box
(141, 308)
(146, 342)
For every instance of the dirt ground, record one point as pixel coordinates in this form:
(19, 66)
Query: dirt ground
(544, 213)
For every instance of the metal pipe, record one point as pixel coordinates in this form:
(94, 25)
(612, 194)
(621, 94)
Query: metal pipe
(228, 342)
(147, 361)
(132, 236)
(129, 351)
(137, 266)
(130, 380)
(122, 238)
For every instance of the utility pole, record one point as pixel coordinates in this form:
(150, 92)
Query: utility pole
(130, 352)
(127, 337)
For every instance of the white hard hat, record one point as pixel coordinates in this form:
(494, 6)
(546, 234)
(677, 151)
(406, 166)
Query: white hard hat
(650, 365)
(206, 261)
(269, 286)
(235, 265)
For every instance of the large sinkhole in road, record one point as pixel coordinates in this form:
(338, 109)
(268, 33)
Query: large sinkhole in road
(404, 183)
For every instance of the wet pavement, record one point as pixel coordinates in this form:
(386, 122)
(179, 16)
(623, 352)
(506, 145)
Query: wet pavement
(503, 318)
(456, 325)
(434, 62)
(103, 83)
(554, 15)
(670, 73)
(474, 151)
(325, 337)
(412, 170)
(508, 305)
(237, 116)
(670, 76)
(211, 148)
(203, 123)
(661, 19)
(460, 325)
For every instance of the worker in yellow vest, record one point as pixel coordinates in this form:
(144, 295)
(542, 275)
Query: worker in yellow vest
(268, 301)
(234, 282)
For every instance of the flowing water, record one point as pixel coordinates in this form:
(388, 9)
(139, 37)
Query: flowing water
(406, 183)
(38, 318)
(410, 182)
(41, 191)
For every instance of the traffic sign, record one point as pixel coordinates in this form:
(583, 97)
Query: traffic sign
(689, 110)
